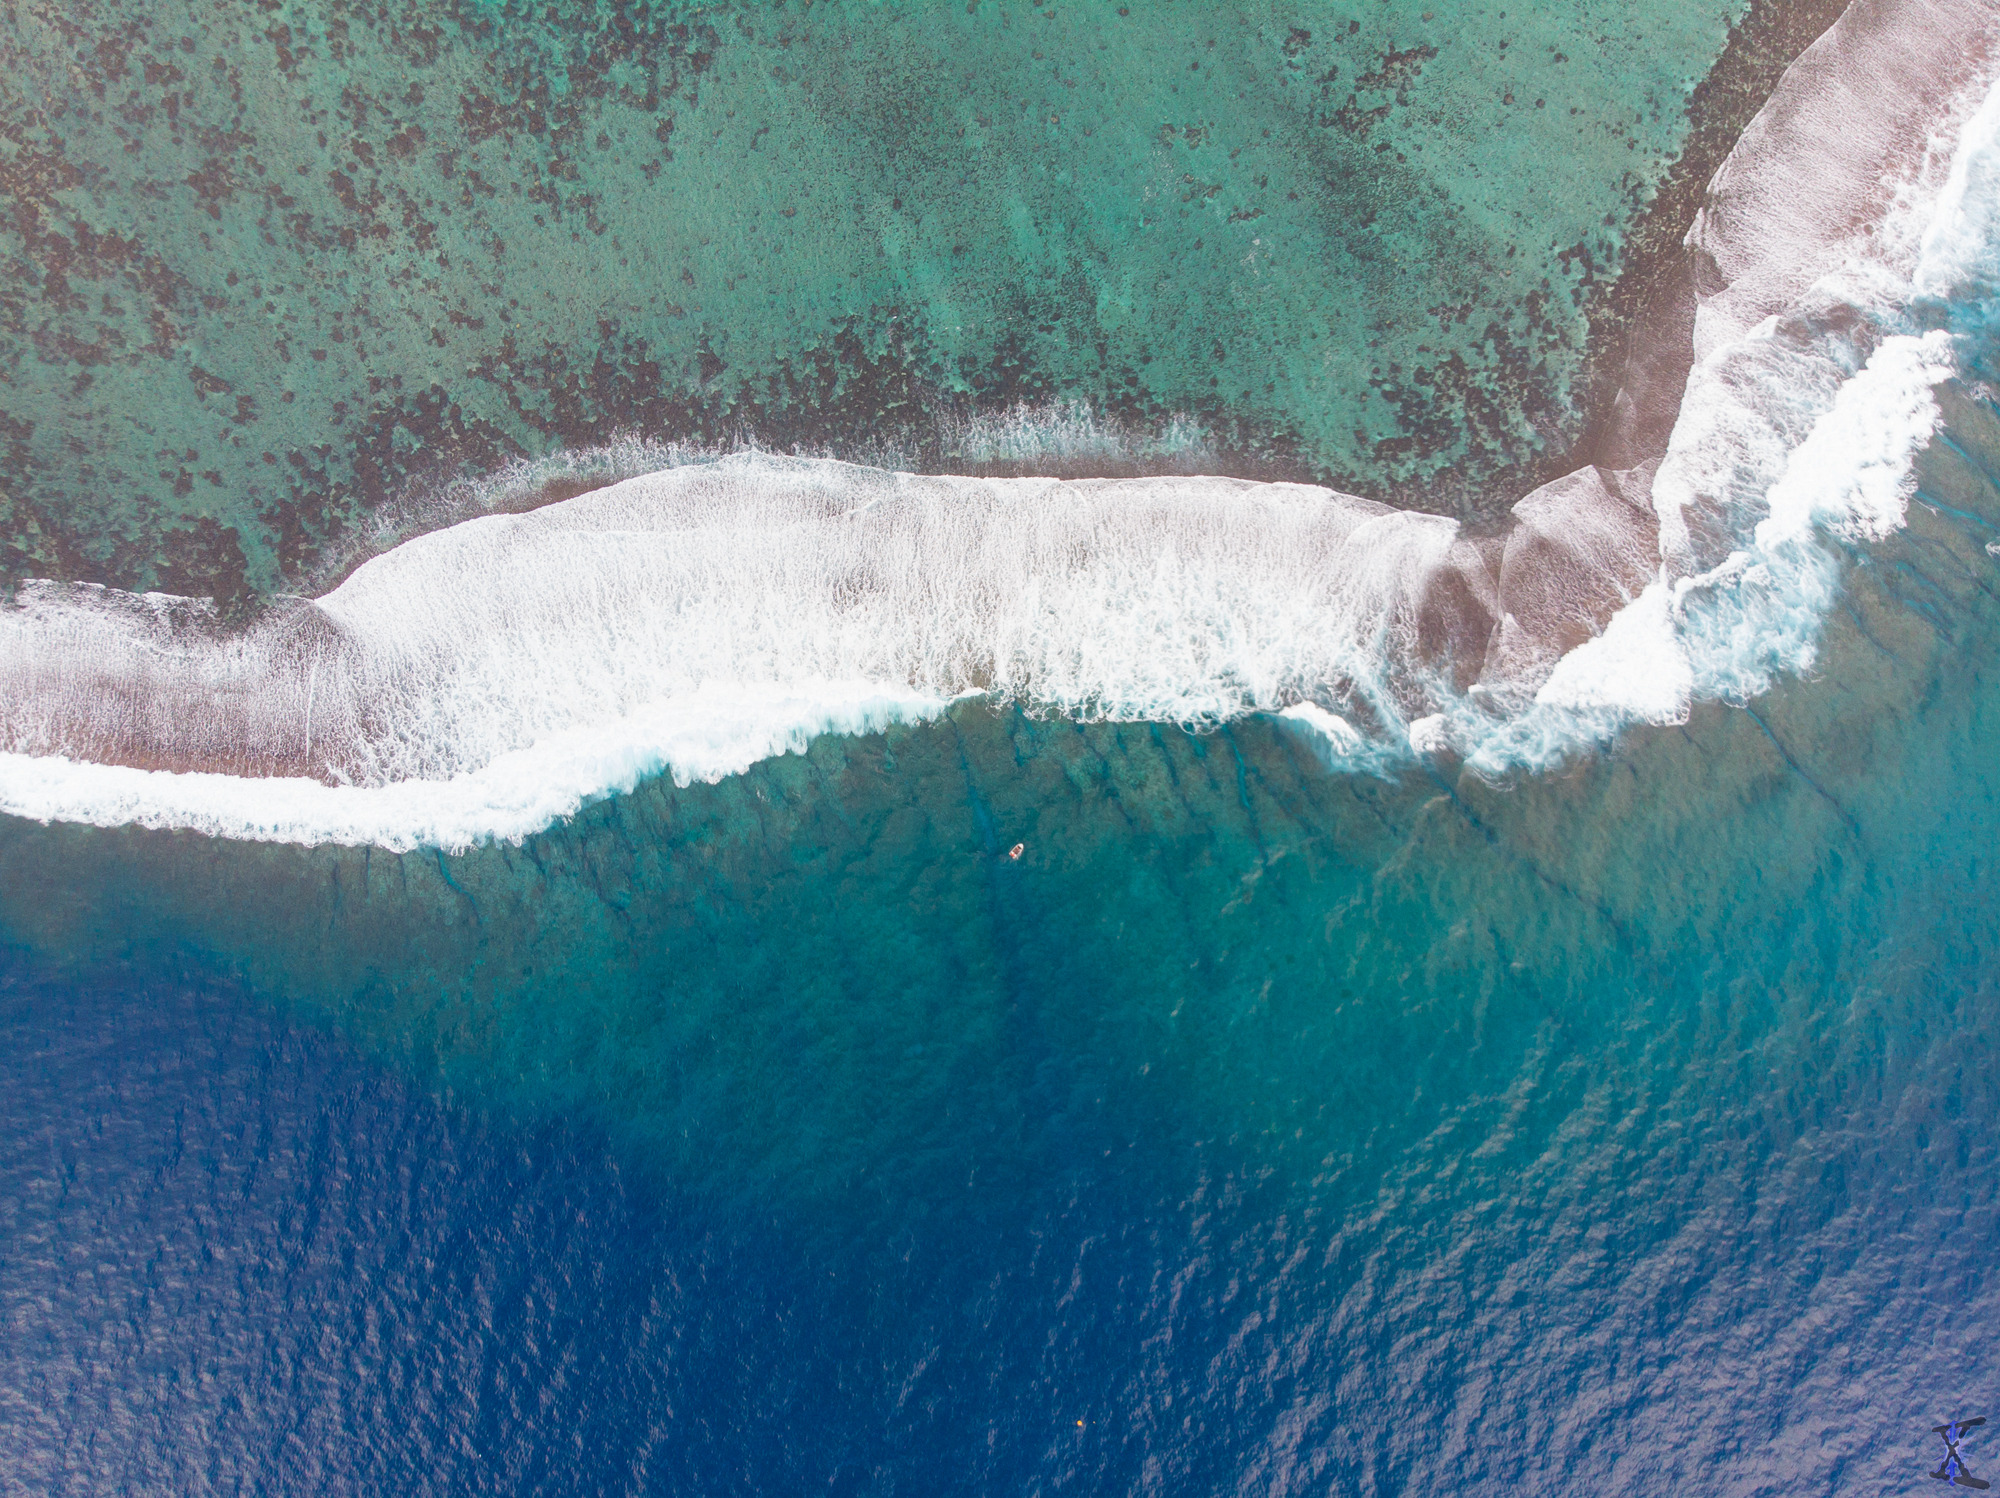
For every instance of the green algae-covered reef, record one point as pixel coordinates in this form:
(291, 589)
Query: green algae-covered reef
(272, 265)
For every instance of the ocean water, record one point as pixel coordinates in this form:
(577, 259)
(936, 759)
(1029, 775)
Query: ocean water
(1628, 1129)
(786, 975)
(276, 275)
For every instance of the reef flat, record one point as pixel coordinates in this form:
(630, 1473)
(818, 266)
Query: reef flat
(269, 272)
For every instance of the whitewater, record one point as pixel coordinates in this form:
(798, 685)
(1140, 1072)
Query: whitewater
(488, 679)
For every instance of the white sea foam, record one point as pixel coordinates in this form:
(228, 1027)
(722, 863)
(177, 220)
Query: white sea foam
(1812, 394)
(1955, 258)
(1727, 633)
(704, 736)
(485, 680)
(1335, 741)
(697, 619)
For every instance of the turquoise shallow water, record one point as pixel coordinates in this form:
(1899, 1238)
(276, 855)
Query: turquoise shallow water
(273, 273)
(1002, 1102)
(1629, 1127)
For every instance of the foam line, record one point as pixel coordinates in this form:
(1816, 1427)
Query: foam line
(489, 678)
(510, 797)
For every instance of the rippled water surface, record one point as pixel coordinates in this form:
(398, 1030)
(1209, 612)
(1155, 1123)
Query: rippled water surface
(792, 978)
(1254, 1127)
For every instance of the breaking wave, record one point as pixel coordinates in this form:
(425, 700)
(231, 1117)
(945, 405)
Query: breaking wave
(485, 680)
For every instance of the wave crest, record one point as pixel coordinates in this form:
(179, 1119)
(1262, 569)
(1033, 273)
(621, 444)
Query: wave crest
(484, 680)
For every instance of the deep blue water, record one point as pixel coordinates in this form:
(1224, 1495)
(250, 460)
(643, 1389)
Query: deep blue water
(1629, 1129)
(1003, 1103)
